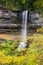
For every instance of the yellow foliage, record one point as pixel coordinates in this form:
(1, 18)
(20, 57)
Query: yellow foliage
(8, 59)
(18, 59)
(32, 53)
(1, 53)
(40, 30)
(5, 59)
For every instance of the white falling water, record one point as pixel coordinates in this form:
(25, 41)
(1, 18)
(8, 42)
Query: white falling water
(24, 29)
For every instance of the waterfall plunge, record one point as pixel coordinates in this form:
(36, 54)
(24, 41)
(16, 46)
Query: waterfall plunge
(24, 30)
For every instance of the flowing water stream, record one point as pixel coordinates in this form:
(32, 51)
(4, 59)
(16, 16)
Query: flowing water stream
(24, 30)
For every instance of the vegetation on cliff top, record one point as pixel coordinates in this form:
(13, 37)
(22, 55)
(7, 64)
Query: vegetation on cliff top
(23, 4)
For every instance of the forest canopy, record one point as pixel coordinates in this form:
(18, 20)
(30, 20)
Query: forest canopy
(23, 4)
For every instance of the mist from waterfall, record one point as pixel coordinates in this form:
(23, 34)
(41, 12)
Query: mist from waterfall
(24, 30)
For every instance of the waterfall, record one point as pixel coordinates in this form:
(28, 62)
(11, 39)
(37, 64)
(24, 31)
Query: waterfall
(24, 30)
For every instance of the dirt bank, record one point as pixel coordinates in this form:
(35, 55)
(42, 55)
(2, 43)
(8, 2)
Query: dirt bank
(8, 36)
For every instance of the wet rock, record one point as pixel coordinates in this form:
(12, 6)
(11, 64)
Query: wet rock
(27, 43)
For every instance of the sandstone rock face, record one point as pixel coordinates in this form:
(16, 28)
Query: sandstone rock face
(10, 16)
(13, 19)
